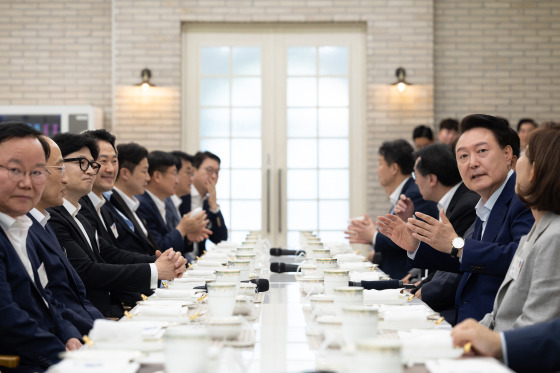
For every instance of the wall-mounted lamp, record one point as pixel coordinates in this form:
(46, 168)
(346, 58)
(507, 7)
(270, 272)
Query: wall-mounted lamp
(145, 84)
(401, 82)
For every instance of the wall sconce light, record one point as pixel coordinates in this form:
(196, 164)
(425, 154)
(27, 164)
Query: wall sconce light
(401, 82)
(145, 84)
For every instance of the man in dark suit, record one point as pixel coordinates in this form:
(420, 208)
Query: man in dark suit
(529, 349)
(104, 268)
(67, 289)
(30, 326)
(206, 171)
(132, 178)
(484, 157)
(163, 178)
(438, 179)
(94, 206)
(394, 172)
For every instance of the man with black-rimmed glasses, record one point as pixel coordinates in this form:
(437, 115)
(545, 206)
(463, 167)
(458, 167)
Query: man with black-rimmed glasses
(104, 268)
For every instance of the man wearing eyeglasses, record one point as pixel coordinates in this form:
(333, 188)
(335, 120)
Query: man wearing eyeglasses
(30, 326)
(104, 268)
(203, 195)
(68, 290)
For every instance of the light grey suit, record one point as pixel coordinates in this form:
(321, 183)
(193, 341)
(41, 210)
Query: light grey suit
(535, 295)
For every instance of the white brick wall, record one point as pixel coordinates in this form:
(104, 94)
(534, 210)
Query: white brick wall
(56, 52)
(492, 56)
(497, 57)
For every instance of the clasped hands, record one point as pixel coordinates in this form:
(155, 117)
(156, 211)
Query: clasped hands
(171, 264)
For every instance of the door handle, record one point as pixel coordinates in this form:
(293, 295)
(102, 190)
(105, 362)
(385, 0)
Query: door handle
(268, 201)
(280, 200)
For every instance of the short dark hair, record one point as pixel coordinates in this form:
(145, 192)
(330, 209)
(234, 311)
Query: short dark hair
(130, 155)
(399, 152)
(422, 131)
(103, 135)
(438, 159)
(181, 156)
(449, 124)
(72, 142)
(526, 120)
(199, 158)
(514, 142)
(499, 127)
(18, 130)
(160, 161)
(543, 151)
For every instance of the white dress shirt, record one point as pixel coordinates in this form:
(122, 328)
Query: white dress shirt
(394, 198)
(97, 204)
(43, 219)
(73, 211)
(16, 230)
(483, 210)
(177, 202)
(159, 204)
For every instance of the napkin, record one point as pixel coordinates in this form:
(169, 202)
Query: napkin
(361, 276)
(165, 311)
(419, 345)
(172, 293)
(387, 295)
(112, 331)
(351, 257)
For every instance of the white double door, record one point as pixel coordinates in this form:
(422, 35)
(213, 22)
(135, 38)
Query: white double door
(282, 106)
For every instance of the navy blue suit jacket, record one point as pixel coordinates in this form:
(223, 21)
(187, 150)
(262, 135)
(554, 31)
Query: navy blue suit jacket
(485, 260)
(164, 236)
(394, 260)
(104, 269)
(217, 224)
(534, 348)
(439, 292)
(28, 327)
(67, 289)
(129, 238)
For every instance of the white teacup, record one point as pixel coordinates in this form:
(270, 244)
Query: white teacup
(383, 354)
(247, 289)
(325, 263)
(250, 257)
(346, 296)
(358, 322)
(179, 339)
(224, 327)
(320, 253)
(228, 275)
(243, 265)
(335, 278)
(221, 298)
(311, 285)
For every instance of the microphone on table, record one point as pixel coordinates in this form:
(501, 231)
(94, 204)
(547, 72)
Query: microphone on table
(283, 267)
(262, 285)
(382, 285)
(276, 251)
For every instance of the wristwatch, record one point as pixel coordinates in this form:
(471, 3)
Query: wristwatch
(458, 243)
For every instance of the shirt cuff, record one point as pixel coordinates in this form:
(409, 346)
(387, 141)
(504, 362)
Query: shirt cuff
(373, 240)
(412, 254)
(504, 348)
(153, 276)
(214, 211)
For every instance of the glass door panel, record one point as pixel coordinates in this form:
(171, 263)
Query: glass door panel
(281, 108)
(317, 140)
